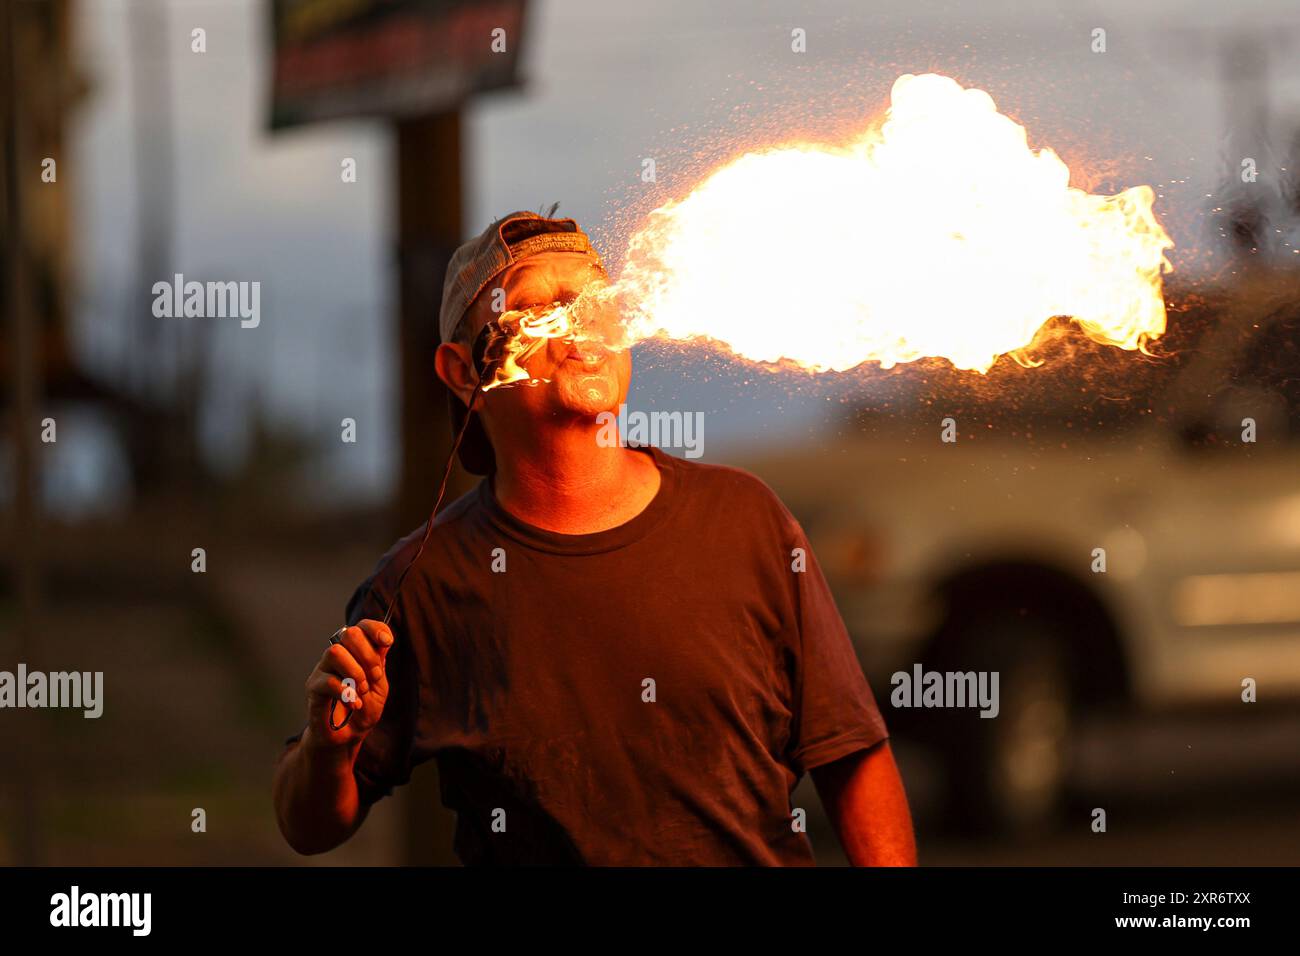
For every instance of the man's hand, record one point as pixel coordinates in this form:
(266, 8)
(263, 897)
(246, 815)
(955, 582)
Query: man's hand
(316, 800)
(359, 657)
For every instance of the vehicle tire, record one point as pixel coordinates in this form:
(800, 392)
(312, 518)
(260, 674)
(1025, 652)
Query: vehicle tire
(1008, 774)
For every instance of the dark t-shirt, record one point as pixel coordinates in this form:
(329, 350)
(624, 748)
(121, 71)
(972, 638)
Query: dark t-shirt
(649, 694)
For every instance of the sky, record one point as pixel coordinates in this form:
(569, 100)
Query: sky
(607, 85)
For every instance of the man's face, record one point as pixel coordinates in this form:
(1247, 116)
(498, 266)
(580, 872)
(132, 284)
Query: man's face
(584, 379)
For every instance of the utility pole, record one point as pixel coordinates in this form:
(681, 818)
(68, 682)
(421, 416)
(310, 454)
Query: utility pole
(429, 228)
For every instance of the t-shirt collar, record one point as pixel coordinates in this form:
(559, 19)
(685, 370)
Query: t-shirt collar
(599, 541)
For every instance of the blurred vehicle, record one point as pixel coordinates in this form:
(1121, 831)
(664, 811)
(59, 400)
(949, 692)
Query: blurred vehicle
(982, 555)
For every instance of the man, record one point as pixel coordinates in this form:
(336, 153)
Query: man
(616, 657)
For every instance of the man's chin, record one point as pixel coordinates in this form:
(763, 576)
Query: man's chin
(587, 395)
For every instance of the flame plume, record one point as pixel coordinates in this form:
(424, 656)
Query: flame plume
(938, 233)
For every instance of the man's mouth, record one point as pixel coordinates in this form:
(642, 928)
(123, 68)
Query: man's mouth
(587, 354)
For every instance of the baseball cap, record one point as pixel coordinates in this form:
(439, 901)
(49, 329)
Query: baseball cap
(472, 268)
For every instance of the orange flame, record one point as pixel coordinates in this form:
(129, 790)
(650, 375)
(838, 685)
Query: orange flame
(520, 334)
(938, 232)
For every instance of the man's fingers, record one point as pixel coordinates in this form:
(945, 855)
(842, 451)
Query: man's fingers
(325, 689)
(321, 684)
(351, 667)
(363, 652)
(379, 634)
(338, 660)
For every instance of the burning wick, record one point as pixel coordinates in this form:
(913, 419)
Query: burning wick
(517, 336)
(520, 334)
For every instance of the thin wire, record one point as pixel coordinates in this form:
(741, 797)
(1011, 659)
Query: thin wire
(442, 490)
(428, 527)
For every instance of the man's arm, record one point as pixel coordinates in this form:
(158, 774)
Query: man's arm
(315, 793)
(863, 795)
(315, 790)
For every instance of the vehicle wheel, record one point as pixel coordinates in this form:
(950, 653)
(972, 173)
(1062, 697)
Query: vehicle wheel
(1008, 773)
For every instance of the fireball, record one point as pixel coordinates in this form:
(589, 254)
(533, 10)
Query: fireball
(937, 232)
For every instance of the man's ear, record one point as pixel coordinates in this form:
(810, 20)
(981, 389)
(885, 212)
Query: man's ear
(453, 364)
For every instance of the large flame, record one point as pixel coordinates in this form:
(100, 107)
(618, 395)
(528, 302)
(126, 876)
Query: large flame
(937, 233)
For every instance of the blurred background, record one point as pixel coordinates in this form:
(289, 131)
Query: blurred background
(336, 151)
